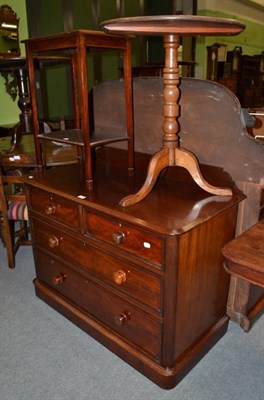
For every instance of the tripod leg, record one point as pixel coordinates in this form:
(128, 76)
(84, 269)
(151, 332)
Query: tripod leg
(158, 162)
(188, 161)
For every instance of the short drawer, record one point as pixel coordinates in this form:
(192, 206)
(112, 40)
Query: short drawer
(140, 242)
(123, 276)
(55, 207)
(132, 324)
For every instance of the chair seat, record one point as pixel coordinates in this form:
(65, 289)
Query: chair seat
(17, 210)
(15, 172)
(13, 214)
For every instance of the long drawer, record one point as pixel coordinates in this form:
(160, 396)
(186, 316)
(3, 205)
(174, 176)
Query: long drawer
(141, 285)
(134, 325)
(55, 208)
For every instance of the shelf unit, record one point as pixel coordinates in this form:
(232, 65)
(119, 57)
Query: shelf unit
(242, 74)
(75, 45)
(250, 82)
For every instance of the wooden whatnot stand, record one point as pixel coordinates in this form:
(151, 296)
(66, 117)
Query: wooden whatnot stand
(75, 44)
(171, 28)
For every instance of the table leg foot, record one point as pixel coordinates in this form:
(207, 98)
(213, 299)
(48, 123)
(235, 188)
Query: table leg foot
(158, 162)
(188, 160)
(172, 157)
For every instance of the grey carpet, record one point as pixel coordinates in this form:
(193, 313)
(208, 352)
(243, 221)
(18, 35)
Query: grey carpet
(45, 357)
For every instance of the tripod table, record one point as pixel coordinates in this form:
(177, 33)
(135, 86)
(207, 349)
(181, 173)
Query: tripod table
(171, 27)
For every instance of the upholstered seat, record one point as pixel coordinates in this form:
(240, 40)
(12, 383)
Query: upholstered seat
(14, 214)
(17, 210)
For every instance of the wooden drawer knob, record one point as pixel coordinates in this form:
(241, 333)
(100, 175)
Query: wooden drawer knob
(122, 318)
(119, 277)
(53, 242)
(58, 279)
(50, 209)
(118, 237)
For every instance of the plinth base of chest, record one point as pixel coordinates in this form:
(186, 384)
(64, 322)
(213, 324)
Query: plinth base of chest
(167, 378)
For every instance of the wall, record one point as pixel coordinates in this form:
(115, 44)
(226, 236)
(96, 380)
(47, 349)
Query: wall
(70, 15)
(9, 112)
(251, 39)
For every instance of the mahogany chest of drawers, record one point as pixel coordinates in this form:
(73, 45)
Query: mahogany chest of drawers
(147, 281)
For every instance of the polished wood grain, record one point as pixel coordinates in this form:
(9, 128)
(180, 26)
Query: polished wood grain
(210, 138)
(171, 27)
(168, 24)
(54, 154)
(244, 256)
(76, 44)
(131, 277)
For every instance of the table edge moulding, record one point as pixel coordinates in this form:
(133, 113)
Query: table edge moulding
(75, 44)
(171, 27)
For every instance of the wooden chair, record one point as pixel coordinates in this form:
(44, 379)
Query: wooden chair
(13, 214)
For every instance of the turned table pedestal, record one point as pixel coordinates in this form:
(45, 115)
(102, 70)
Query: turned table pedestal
(171, 27)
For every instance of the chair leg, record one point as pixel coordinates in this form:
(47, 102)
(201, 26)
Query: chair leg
(21, 236)
(8, 240)
(13, 239)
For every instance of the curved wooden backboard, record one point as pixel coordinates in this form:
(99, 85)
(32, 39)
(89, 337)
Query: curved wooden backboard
(211, 123)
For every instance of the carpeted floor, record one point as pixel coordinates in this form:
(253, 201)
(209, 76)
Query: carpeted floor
(45, 357)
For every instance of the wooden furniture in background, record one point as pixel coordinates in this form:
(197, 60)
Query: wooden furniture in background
(130, 277)
(156, 69)
(15, 74)
(77, 43)
(244, 259)
(54, 154)
(223, 66)
(171, 27)
(14, 71)
(257, 130)
(244, 255)
(9, 32)
(251, 81)
(212, 62)
(242, 74)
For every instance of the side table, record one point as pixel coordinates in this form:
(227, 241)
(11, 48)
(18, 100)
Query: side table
(75, 44)
(171, 27)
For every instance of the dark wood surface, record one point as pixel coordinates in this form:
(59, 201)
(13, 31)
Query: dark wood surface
(131, 277)
(244, 256)
(171, 27)
(224, 142)
(179, 24)
(24, 154)
(71, 182)
(202, 128)
(76, 44)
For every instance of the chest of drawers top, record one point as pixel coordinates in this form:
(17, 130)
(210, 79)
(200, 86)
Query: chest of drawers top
(174, 206)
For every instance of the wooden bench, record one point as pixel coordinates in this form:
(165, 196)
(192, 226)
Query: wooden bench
(244, 258)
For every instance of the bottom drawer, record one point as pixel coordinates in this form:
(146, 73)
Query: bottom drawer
(128, 321)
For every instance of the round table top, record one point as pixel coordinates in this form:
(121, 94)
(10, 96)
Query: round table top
(188, 25)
